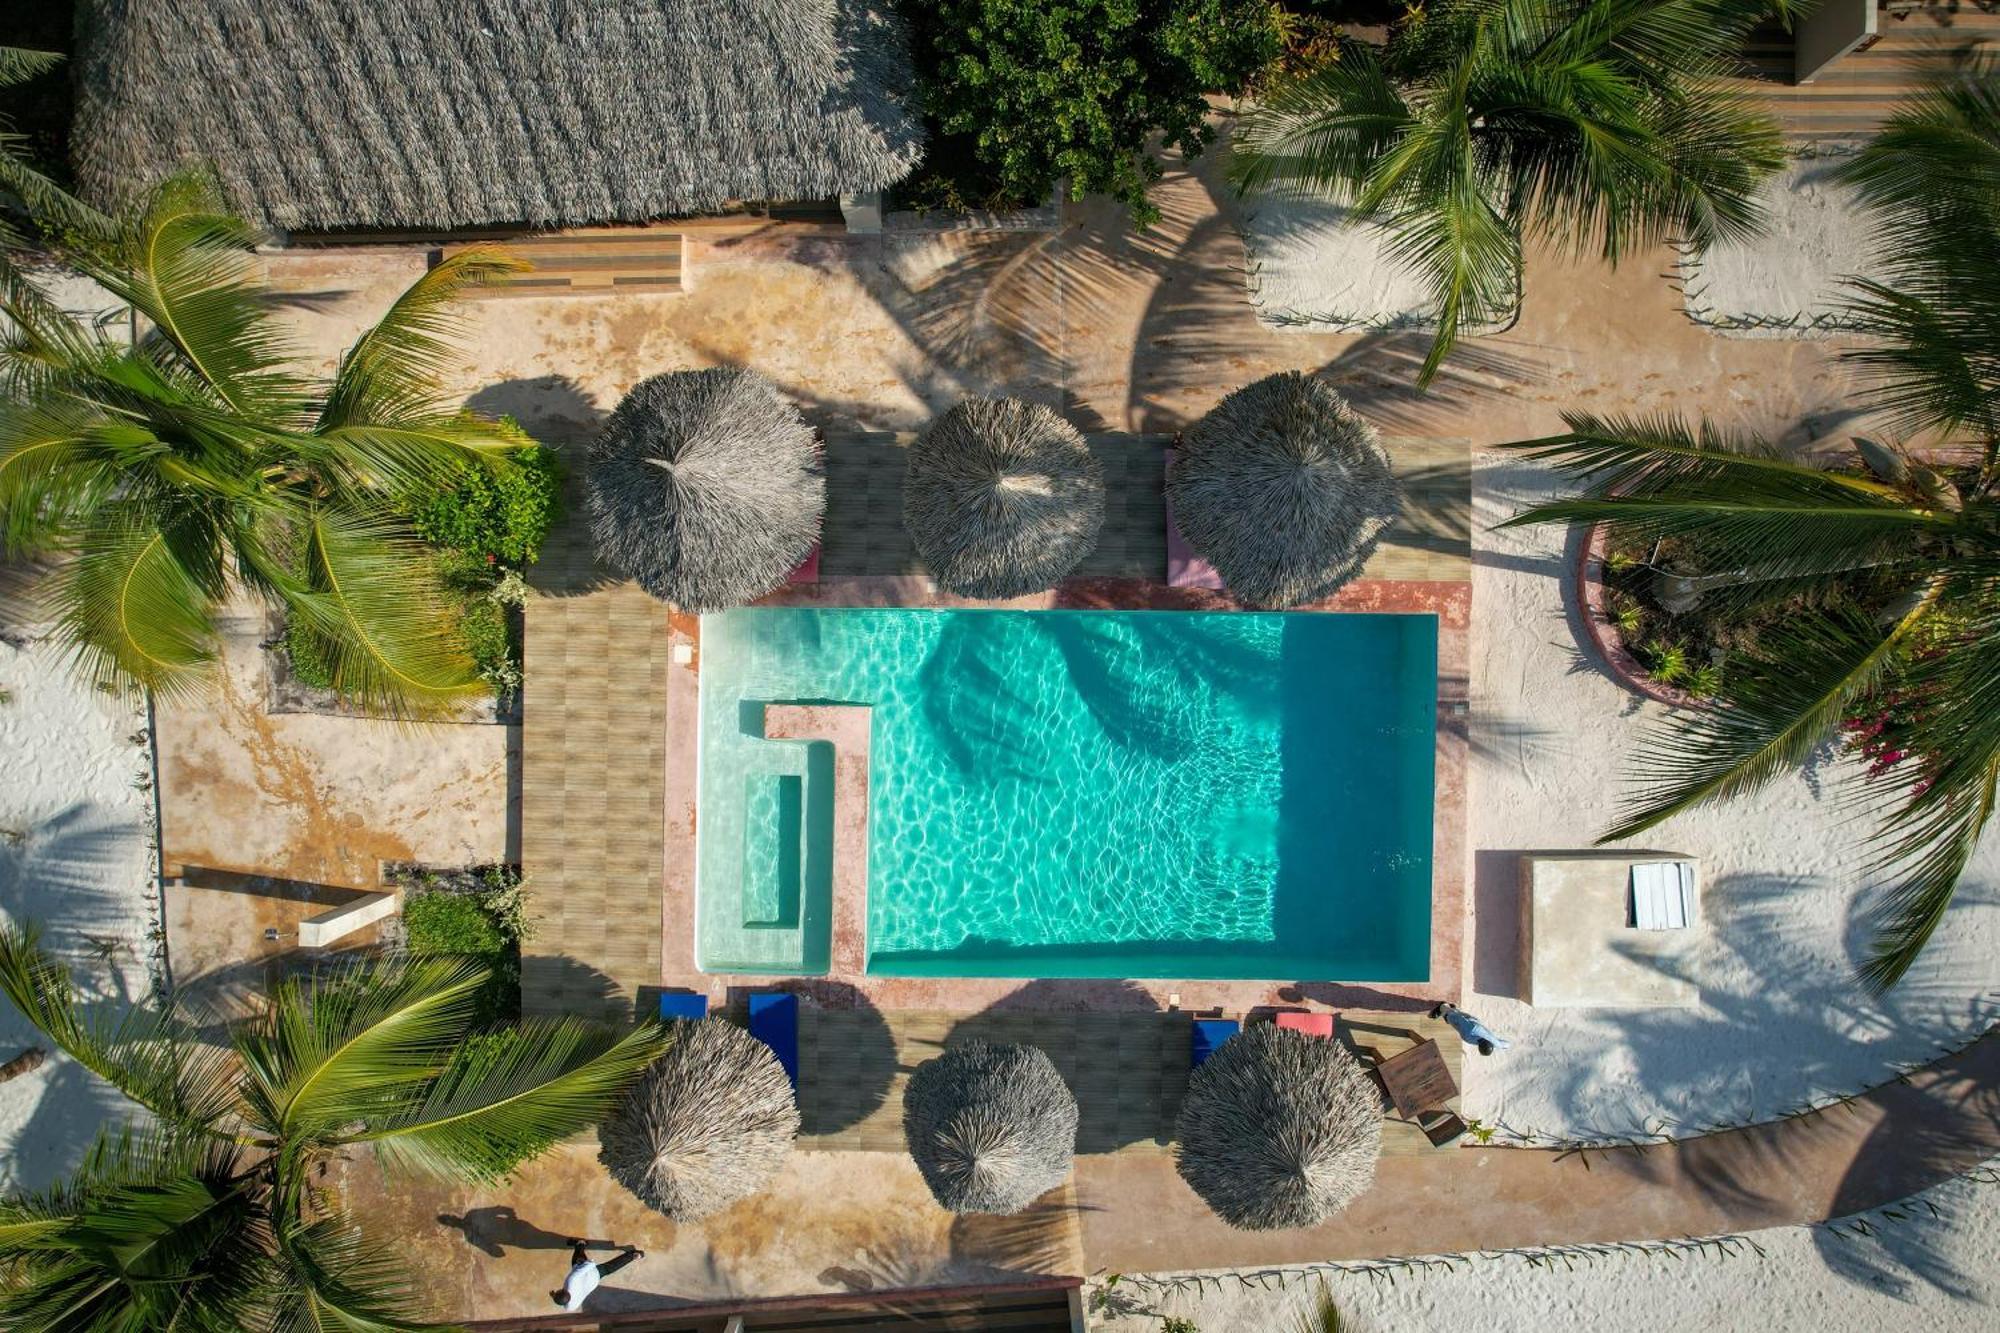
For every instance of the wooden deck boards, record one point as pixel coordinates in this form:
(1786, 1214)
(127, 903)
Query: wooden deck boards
(592, 261)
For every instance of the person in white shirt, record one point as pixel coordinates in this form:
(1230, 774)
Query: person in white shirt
(584, 1275)
(1475, 1033)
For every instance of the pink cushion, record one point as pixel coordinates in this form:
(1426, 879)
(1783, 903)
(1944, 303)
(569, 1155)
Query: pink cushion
(1313, 1025)
(808, 570)
(1185, 569)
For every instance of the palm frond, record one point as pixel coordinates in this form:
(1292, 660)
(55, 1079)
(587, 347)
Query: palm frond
(1755, 513)
(336, 1280)
(1782, 701)
(392, 374)
(152, 1232)
(1944, 808)
(18, 64)
(134, 609)
(374, 600)
(149, 1056)
(187, 269)
(481, 1119)
(352, 1044)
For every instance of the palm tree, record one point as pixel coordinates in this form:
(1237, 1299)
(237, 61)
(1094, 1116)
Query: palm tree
(199, 461)
(23, 189)
(1922, 528)
(210, 1215)
(1602, 124)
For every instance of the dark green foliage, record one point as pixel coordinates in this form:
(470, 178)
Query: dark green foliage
(489, 634)
(442, 924)
(310, 663)
(1052, 91)
(213, 1216)
(450, 923)
(494, 516)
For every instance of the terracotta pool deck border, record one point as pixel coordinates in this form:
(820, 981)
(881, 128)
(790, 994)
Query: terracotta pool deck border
(847, 986)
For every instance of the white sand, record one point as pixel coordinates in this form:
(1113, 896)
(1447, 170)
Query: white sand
(1780, 1021)
(74, 857)
(1936, 1267)
(1786, 281)
(1314, 269)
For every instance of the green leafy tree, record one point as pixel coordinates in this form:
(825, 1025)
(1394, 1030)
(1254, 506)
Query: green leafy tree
(211, 1216)
(174, 472)
(1600, 124)
(1925, 527)
(28, 198)
(1075, 90)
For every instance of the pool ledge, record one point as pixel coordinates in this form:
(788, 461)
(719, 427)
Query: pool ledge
(849, 727)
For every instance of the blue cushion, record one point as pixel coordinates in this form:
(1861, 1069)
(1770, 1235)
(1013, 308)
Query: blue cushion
(689, 1007)
(1209, 1034)
(774, 1020)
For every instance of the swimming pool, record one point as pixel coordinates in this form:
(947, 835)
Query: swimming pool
(1141, 794)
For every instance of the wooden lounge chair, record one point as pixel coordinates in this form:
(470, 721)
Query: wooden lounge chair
(1207, 1036)
(684, 1006)
(774, 1020)
(1306, 1021)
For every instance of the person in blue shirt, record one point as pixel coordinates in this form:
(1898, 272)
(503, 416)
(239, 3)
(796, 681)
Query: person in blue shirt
(1475, 1033)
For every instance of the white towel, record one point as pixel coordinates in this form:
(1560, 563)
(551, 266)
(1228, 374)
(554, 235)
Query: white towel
(1662, 895)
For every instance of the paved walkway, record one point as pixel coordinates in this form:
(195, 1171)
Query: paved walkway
(1883, 1146)
(860, 1221)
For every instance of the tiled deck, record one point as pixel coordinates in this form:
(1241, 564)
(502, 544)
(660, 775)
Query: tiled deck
(609, 760)
(1128, 1070)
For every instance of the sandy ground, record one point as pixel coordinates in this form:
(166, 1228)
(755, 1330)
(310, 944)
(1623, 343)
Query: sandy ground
(1928, 1263)
(1787, 281)
(74, 856)
(1312, 268)
(1783, 890)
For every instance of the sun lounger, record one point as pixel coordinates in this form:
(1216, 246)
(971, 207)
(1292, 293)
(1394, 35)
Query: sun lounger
(774, 1020)
(685, 1007)
(1662, 895)
(1301, 1020)
(1208, 1034)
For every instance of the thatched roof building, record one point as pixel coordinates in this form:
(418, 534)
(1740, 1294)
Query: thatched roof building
(323, 114)
(707, 487)
(1278, 1129)
(1284, 490)
(709, 1123)
(1002, 498)
(992, 1128)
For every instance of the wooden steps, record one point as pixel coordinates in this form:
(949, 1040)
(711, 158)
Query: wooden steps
(580, 262)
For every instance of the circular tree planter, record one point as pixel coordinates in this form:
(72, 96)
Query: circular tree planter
(1601, 636)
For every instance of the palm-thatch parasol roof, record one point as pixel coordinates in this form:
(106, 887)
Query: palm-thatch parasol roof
(709, 1123)
(1284, 490)
(707, 487)
(992, 1128)
(369, 113)
(1002, 498)
(1278, 1129)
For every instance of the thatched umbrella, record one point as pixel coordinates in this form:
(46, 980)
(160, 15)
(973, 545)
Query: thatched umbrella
(707, 487)
(709, 1123)
(992, 1128)
(1284, 490)
(1002, 498)
(1278, 1129)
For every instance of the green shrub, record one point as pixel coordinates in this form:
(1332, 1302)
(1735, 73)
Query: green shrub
(310, 663)
(451, 923)
(492, 517)
(1075, 90)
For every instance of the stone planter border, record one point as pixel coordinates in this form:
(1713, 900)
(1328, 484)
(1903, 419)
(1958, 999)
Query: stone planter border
(1602, 637)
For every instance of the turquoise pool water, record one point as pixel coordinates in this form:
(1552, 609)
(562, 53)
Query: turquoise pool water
(1078, 793)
